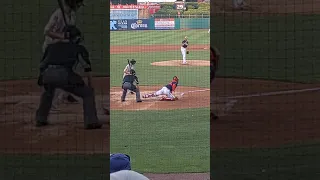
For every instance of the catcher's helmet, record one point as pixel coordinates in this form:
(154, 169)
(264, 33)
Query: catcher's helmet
(132, 72)
(133, 61)
(75, 35)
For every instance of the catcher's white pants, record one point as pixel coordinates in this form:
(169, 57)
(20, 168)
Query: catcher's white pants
(184, 56)
(164, 91)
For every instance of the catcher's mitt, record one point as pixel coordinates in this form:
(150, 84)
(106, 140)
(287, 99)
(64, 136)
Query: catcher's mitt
(187, 52)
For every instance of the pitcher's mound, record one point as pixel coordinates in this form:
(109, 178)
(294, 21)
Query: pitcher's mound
(179, 63)
(193, 97)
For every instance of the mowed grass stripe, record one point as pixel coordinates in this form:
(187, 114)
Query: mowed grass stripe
(270, 47)
(157, 37)
(160, 75)
(163, 141)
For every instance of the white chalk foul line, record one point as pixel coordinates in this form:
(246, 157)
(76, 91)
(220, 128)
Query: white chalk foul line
(201, 90)
(292, 91)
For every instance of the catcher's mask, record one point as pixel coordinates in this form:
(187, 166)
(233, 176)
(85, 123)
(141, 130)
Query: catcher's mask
(132, 72)
(75, 35)
(175, 78)
(133, 61)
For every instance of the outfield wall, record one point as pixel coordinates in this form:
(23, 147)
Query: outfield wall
(159, 24)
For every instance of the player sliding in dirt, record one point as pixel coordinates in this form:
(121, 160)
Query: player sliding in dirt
(166, 90)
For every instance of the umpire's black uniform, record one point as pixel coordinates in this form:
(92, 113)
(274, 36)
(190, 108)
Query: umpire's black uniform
(56, 72)
(128, 83)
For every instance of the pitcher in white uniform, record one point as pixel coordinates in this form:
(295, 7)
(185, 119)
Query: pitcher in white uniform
(184, 47)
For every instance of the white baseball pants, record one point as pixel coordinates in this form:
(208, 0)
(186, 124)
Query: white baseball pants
(184, 56)
(164, 91)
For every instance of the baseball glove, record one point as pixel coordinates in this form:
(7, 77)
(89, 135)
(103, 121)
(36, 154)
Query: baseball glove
(187, 52)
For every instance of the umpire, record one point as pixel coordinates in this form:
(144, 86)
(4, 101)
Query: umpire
(56, 72)
(128, 84)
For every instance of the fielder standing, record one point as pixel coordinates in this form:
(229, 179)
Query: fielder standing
(54, 32)
(184, 50)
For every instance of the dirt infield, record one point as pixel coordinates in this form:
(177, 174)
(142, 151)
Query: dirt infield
(155, 48)
(188, 97)
(258, 118)
(19, 101)
(178, 63)
(264, 113)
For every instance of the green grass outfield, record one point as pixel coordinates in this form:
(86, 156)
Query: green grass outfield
(159, 37)
(162, 141)
(283, 48)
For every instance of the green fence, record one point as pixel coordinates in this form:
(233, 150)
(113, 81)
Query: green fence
(187, 23)
(194, 23)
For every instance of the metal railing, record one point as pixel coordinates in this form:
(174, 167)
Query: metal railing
(180, 16)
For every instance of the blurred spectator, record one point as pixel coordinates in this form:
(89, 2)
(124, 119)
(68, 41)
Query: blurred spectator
(127, 175)
(119, 162)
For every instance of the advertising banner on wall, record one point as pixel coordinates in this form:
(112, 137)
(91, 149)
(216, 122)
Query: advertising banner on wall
(124, 14)
(118, 25)
(138, 24)
(164, 23)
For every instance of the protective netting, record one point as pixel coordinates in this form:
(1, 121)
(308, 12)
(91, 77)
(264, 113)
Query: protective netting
(161, 136)
(22, 29)
(266, 92)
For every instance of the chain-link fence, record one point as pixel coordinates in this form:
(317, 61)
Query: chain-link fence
(266, 91)
(28, 151)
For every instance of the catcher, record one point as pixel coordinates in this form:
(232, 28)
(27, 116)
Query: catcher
(166, 90)
(214, 60)
(56, 71)
(128, 84)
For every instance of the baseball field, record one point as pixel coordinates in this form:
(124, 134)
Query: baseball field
(63, 150)
(269, 76)
(165, 139)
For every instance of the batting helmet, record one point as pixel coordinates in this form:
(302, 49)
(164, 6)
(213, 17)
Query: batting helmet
(132, 72)
(75, 34)
(133, 61)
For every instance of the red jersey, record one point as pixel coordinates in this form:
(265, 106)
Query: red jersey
(172, 85)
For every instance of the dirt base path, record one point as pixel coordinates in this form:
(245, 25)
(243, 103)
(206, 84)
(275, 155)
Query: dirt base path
(18, 103)
(155, 48)
(188, 97)
(264, 113)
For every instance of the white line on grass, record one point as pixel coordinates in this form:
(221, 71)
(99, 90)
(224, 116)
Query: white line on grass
(194, 91)
(292, 91)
